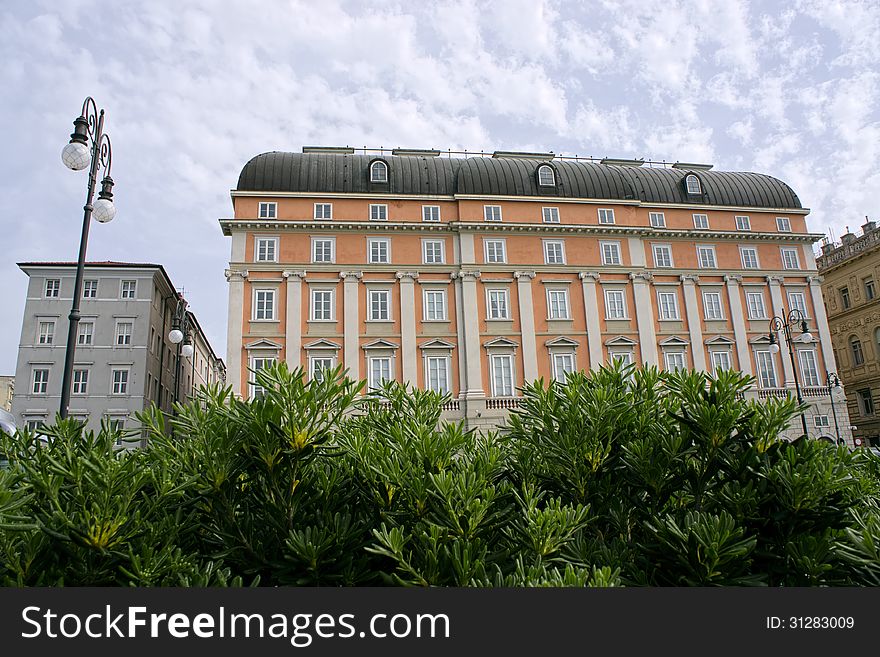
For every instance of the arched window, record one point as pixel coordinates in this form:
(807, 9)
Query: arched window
(378, 172)
(855, 346)
(693, 184)
(546, 177)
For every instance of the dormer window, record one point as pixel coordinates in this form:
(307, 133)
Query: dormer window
(546, 177)
(693, 184)
(378, 172)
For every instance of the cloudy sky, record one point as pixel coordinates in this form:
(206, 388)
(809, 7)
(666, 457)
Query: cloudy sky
(193, 89)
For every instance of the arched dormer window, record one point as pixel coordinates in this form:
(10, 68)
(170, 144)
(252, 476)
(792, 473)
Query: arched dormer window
(379, 172)
(546, 176)
(692, 183)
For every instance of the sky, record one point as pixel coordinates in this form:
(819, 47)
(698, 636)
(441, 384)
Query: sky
(194, 88)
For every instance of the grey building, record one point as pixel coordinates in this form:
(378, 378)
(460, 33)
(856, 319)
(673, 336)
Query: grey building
(124, 359)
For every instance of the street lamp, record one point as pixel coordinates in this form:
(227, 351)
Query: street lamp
(180, 333)
(88, 147)
(832, 384)
(795, 318)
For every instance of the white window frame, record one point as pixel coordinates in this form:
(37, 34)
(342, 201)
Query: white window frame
(313, 305)
(90, 289)
(556, 245)
(624, 355)
(375, 167)
(679, 356)
(755, 295)
(542, 179)
(260, 241)
(494, 360)
(657, 219)
(613, 305)
(119, 335)
(743, 222)
(267, 316)
(667, 311)
(800, 305)
(783, 224)
(323, 214)
(706, 248)
(492, 213)
(809, 366)
(615, 251)
(41, 386)
(710, 316)
(693, 184)
(378, 212)
(376, 295)
(821, 421)
(701, 218)
(503, 243)
(329, 364)
(787, 254)
(442, 255)
(131, 292)
(85, 337)
(550, 215)
(47, 336)
(119, 387)
(377, 241)
(265, 361)
(558, 298)
(720, 359)
(504, 295)
(560, 374)
(441, 305)
(52, 289)
(80, 383)
(332, 241)
(428, 212)
(267, 210)
(605, 216)
(764, 357)
(657, 261)
(371, 374)
(441, 387)
(753, 251)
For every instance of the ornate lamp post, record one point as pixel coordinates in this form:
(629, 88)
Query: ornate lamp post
(832, 384)
(88, 147)
(795, 318)
(180, 332)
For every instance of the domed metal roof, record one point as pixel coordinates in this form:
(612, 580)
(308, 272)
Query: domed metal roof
(508, 176)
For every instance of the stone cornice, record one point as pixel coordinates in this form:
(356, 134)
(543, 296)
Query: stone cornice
(355, 275)
(641, 276)
(589, 276)
(235, 275)
(465, 274)
(689, 278)
(733, 278)
(300, 274)
(412, 275)
(524, 275)
(775, 280)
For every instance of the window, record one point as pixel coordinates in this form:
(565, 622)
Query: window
(380, 371)
(53, 288)
(668, 304)
(437, 374)
(430, 213)
(606, 216)
(821, 421)
(622, 357)
(378, 212)
(855, 346)
(554, 252)
(550, 215)
(866, 401)
(783, 224)
(693, 184)
(749, 257)
(378, 250)
(80, 382)
(797, 301)
(557, 304)
(268, 210)
(258, 363)
(610, 253)
(712, 305)
(322, 305)
(432, 252)
(379, 305)
(435, 305)
(563, 365)
(701, 221)
(495, 251)
(40, 381)
(755, 303)
(492, 212)
(674, 360)
(790, 259)
(844, 297)
(318, 365)
(662, 255)
(47, 332)
(323, 249)
(378, 172)
(264, 304)
(546, 177)
(766, 369)
(502, 375)
(267, 249)
(323, 210)
(90, 289)
(84, 334)
(743, 222)
(129, 289)
(706, 257)
(120, 382)
(497, 306)
(615, 305)
(870, 292)
(658, 219)
(809, 368)
(720, 360)
(123, 333)
(33, 425)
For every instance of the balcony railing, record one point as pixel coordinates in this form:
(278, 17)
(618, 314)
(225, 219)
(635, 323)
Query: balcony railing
(501, 403)
(844, 251)
(451, 405)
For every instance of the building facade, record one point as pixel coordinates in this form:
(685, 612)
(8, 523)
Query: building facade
(124, 359)
(472, 275)
(7, 388)
(851, 289)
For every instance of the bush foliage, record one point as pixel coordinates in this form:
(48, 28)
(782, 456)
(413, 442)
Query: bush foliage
(621, 477)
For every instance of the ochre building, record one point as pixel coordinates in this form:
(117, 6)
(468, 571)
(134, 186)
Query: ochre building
(472, 275)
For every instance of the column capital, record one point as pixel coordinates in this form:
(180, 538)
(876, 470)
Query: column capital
(689, 278)
(775, 280)
(733, 278)
(815, 280)
(589, 276)
(354, 275)
(641, 276)
(464, 274)
(412, 275)
(301, 274)
(233, 274)
(524, 274)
